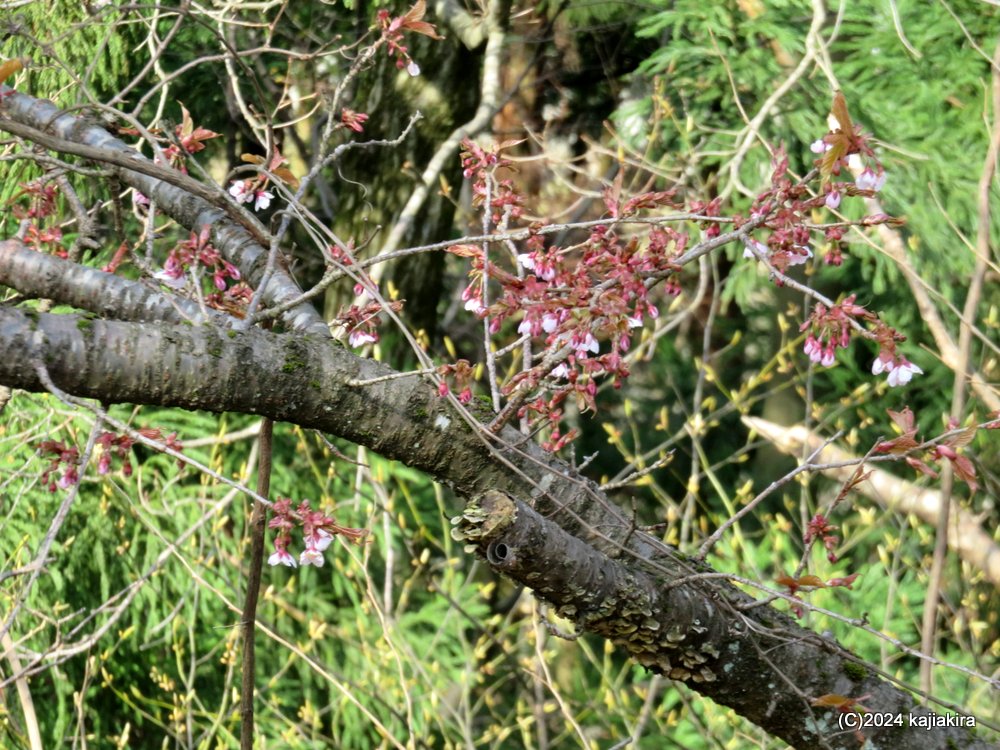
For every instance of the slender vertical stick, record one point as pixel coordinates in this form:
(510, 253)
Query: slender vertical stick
(257, 519)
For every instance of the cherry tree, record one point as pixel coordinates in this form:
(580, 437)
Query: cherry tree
(198, 304)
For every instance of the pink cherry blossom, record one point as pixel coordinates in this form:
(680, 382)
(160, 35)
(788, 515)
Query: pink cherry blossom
(588, 344)
(560, 371)
(882, 364)
(833, 200)
(359, 338)
(804, 254)
(282, 557)
(240, 192)
(900, 370)
(868, 180)
(319, 540)
(543, 267)
(311, 556)
(760, 247)
(903, 373)
(262, 200)
(813, 349)
(819, 147)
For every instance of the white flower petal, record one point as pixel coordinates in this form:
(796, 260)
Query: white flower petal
(311, 557)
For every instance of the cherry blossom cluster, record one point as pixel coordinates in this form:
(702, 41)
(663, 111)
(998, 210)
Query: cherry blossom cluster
(114, 446)
(573, 298)
(49, 238)
(361, 321)
(61, 454)
(830, 329)
(393, 29)
(458, 378)
(583, 302)
(787, 206)
(41, 200)
(41, 197)
(318, 531)
(481, 166)
(188, 139)
(110, 446)
(251, 191)
(254, 189)
(784, 208)
(821, 528)
(353, 120)
(197, 252)
(787, 203)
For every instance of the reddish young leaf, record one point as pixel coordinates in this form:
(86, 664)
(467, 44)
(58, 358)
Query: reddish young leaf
(846, 581)
(966, 471)
(191, 137)
(920, 466)
(465, 251)
(832, 700)
(10, 67)
(275, 168)
(840, 140)
(413, 21)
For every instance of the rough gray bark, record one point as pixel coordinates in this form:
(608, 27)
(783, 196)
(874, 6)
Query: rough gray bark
(562, 537)
(238, 235)
(42, 276)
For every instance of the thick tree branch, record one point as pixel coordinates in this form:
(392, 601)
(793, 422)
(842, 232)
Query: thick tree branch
(42, 276)
(692, 635)
(238, 236)
(576, 549)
